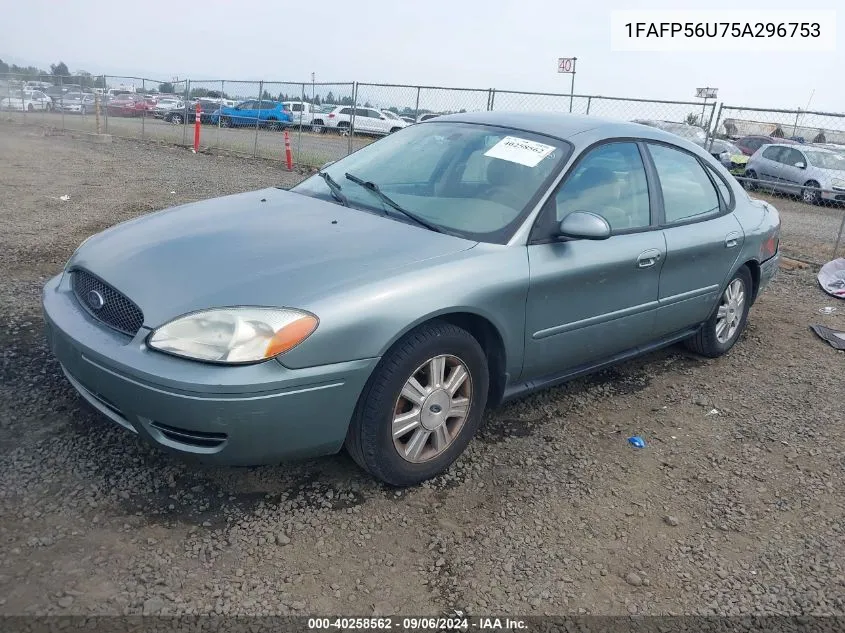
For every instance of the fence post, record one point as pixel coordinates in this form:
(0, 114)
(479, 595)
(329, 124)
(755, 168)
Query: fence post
(258, 118)
(301, 116)
(62, 101)
(715, 126)
(491, 99)
(589, 102)
(220, 106)
(97, 110)
(417, 106)
(107, 99)
(185, 126)
(708, 133)
(352, 121)
(144, 110)
(838, 237)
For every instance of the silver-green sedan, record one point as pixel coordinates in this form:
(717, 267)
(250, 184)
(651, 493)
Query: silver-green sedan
(385, 302)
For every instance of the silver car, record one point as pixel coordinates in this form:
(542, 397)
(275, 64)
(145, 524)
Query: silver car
(813, 172)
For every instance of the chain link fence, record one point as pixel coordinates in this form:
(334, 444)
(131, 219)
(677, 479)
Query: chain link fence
(796, 160)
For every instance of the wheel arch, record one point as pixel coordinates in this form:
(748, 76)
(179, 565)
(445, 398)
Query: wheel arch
(483, 330)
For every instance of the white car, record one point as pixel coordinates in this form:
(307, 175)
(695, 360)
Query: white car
(28, 100)
(367, 121)
(166, 104)
(426, 116)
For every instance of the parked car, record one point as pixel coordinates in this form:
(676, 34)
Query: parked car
(307, 115)
(163, 105)
(367, 121)
(27, 100)
(208, 111)
(269, 114)
(408, 119)
(128, 104)
(427, 116)
(76, 102)
(691, 133)
(750, 144)
(385, 302)
(727, 153)
(799, 170)
(56, 92)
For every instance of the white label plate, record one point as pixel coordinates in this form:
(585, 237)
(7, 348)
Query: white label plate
(519, 150)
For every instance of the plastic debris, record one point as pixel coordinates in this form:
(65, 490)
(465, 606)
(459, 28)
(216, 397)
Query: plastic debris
(827, 310)
(172, 192)
(832, 277)
(712, 412)
(64, 198)
(636, 441)
(835, 338)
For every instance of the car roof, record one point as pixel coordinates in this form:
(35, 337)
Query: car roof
(566, 126)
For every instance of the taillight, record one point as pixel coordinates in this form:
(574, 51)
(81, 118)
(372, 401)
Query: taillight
(331, 116)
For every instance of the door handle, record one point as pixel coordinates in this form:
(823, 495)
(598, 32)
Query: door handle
(732, 239)
(649, 258)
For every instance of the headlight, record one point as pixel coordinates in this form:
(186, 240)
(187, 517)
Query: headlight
(838, 182)
(234, 335)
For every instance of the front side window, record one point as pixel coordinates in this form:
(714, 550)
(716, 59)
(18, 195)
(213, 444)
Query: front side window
(687, 190)
(611, 182)
(775, 153)
(792, 157)
(475, 181)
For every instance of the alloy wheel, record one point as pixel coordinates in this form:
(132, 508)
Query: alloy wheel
(432, 408)
(730, 311)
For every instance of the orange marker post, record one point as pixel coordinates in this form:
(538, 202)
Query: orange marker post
(197, 128)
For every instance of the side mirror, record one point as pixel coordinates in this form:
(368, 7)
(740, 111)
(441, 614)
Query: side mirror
(800, 165)
(584, 225)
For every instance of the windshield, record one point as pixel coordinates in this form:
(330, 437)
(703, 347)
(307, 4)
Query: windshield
(826, 160)
(470, 180)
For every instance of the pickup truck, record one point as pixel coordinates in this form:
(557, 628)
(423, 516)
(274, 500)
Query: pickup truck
(307, 115)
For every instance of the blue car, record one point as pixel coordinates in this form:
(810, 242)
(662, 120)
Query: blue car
(269, 114)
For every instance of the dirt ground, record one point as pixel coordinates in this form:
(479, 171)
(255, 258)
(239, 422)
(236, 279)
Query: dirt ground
(735, 506)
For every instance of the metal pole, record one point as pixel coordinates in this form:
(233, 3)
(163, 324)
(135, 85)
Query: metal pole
(572, 85)
(106, 97)
(62, 102)
(352, 120)
(795, 125)
(144, 111)
(97, 110)
(839, 237)
(219, 107)
(185, 127)
(417, 106)
(301, 115)
(703, 105)
(257, 118)
(492, 98)
(589, 102)
(715, 125)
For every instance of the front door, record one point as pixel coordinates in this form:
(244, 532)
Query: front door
(703, 238)
(590, 300)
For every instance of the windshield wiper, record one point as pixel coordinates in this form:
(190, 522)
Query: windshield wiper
(374, 189)
(334, 188)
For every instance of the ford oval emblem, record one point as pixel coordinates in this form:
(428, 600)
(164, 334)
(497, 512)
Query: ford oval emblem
(95, 300)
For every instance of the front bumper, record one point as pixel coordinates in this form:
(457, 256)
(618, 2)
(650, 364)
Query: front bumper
(768, 271)
(242, 415)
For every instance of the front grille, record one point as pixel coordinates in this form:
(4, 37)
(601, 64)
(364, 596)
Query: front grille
(106, 304)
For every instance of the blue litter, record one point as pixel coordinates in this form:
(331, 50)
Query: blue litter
(636, 441)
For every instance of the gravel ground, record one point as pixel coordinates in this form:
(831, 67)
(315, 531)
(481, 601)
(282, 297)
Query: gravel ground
(735, 506)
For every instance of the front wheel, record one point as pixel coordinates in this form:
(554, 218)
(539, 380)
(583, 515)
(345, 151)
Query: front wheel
(343, 129)
(225, 121)
(811, 196)
(421, 406)
(274, 125)
(317, 127)
(176, 119)
(30, 108)
(722, 330)
(750, 184)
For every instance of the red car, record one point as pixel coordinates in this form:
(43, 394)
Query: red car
(750, 144)
(130, 105)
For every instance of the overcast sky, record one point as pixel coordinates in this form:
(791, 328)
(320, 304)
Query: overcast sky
(506, 44)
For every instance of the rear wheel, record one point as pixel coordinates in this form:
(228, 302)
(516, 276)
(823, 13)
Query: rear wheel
(30, 108)
(343, 128)
(225, 121)
(750, 183)
(421, 406)
(317, 126)
(176, 119)
(811, 196)
(274, 125)
(395, 129)
(722, 330)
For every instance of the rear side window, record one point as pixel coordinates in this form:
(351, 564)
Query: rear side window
(773, 153)
(346, 111)
(688, 192)
(722, 186)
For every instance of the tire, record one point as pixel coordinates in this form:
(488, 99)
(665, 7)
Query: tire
(708, 341)
(225, 121)
(811, 196)
(30, 108)
(273, 125)
(748, 184)
(175, 119)
(317, 127)
(370, 440)
(343, 129)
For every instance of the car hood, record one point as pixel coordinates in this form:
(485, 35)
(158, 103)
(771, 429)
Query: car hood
(268, 247)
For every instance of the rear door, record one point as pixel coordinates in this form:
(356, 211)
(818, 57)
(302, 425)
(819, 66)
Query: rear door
(703, 238)
(590, 300)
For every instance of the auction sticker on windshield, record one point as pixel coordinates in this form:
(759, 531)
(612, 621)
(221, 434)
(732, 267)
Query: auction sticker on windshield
(520, 150)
